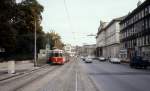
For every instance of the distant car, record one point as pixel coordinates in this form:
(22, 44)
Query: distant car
(101, 59)
(82, 58)
(88, 60)
(114, 60)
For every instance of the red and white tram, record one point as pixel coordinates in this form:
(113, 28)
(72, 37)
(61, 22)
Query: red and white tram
(56, 56)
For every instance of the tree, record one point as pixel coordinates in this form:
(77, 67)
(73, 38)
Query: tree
(29, 13)
(7, 31)
(55, 40)
(17, 26)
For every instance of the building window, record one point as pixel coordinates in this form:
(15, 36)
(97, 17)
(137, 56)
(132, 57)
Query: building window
(131, 43)
(135, 42)
(123, 35)
(139, 41)
(149, 22)
(142, 23)
(128, 44)
(149, 9)
(133, 29)
(148, 39)
(143, 41)
(127, 33)
(146, 24)
(136, 17)
(132, 20)
(146, 11)
(144, 38)
(142, 13)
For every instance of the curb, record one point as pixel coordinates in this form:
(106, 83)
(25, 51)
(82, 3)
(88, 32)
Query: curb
(21, 73)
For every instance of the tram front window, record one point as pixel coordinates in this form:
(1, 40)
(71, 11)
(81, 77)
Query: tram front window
(55, 54)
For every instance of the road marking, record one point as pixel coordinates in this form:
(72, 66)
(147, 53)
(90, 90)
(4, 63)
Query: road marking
(76, 88)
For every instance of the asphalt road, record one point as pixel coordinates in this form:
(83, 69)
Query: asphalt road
(77, 75)
(117, 77)
(67, 77)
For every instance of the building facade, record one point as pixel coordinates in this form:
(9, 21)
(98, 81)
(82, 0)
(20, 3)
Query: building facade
(135, 31)
(70, 49)
(100, 39)
(88, 50)
(107, 39)
(112, 38)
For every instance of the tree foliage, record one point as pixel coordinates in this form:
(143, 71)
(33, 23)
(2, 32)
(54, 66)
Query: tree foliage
(17, 26)
(55, 40)
(7, 9)
(29, 13)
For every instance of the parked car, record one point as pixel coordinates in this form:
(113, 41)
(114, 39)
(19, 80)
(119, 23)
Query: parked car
(82, 58)
(101, 58)
(138, 62)
(88, 60)
(114, 60)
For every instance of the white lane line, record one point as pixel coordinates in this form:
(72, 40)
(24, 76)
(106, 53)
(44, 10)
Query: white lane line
(76, 88)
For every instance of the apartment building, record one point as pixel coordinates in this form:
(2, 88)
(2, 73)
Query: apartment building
(70, 49)
(112, 38)
(88, 50)
(135, 31)
(107, 40)
(100, 39)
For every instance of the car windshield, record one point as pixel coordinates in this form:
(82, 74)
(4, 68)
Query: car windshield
(74, 45)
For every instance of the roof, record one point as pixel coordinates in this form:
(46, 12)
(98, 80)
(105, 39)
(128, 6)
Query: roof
(114, 20)
(105, 25)
(101, 27)
(146, 2)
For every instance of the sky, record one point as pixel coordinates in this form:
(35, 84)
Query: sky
(73, 20)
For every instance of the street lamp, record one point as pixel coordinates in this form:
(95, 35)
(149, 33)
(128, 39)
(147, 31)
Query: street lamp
(35, 46)
(35, 58)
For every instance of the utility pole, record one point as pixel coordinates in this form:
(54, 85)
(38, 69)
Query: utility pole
(35, 59)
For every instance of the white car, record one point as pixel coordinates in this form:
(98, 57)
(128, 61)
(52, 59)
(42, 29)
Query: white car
(115, 60)
(88, 60)
(101, 59)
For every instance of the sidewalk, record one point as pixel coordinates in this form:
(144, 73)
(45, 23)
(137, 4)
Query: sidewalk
(20, 68)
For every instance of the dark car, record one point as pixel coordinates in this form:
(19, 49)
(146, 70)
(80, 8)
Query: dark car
(138, 62)
(82, 58)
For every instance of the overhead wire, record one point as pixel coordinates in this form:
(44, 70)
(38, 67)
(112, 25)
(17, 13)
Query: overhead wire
(69, 19)
(68, 14)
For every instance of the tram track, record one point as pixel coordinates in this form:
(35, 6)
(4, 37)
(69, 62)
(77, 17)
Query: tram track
(15, 76)
(20, 75)
(16, 83)
(51, 76)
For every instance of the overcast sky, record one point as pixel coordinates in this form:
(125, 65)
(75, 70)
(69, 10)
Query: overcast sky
(81, 17)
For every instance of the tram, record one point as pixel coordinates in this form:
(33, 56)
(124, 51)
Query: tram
(56, 56)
